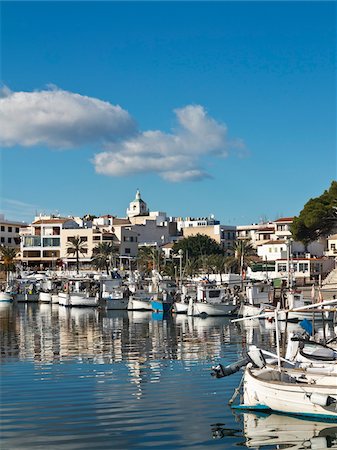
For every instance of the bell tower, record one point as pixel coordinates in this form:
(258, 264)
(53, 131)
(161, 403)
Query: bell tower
(137, 207)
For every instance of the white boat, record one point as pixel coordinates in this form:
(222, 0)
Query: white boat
(83, 299)
(212, 300)
(257, 298)
(45, 297)
(280, 431)
(63, 298)
(276, 390)
(140, 302)
(187, 292)
(114, 294)
(6, 299)
(79, 292)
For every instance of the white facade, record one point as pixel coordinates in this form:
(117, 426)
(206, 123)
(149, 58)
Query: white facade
(195, 222)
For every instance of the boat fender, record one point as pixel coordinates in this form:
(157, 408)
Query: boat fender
(220, 371)
(322, 399)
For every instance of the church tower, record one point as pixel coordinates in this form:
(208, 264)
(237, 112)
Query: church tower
(138, 207)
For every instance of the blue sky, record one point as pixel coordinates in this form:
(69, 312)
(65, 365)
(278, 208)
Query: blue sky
(224, 108)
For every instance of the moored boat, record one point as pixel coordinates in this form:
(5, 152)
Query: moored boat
(6, 299)
(212, 300)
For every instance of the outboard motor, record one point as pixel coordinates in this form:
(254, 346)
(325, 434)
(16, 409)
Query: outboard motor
(220, 371)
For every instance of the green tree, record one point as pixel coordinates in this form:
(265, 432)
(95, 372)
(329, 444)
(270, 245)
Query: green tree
(198, 246)
(7, 256)
(318, 218)
(103, 255)
(76, 246)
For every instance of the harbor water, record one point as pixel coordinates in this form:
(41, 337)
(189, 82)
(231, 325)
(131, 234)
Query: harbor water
(75, 378)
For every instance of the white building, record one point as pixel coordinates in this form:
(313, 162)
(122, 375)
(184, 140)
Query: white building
(153, 228)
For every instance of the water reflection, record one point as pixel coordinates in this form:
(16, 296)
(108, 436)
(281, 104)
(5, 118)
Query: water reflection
(85, 378)
(288, 432)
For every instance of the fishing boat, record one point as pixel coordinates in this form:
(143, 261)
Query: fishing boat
(162, 302)
(187, 291)
(163, 297)
(257, 298)
(212, 300)
(114, 294)
(269, 388)
(306, 387)
(140, 301)
(79, 292)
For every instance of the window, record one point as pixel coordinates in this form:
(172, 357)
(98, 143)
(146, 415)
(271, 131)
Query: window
(302, 267)
(282, 267)
(9, 240)
(2, 239)
(2, 228)
(10, 229)
(51, 242)
(17, 229)
(333, 246)
(96, 238)
(127, 250)
(84, 239)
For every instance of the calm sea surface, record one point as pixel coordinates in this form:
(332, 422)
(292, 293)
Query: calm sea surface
(86, 379)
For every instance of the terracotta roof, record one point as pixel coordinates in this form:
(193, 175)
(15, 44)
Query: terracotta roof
(279, 241)
(46, 221)
(334, 236)
(284, 219)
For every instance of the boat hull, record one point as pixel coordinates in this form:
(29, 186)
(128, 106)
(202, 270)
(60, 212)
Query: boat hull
(267, 388)
(215, 309)
(160, 306)
(137, 304)
(82, 301)
(180, 307)
(117, 303)
(45, 297)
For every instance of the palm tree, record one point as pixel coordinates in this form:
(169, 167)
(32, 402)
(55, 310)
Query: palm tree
(244, 253)
(103, 253)
(75, 246)
(7, 255)
(220, 264)
(149, 258)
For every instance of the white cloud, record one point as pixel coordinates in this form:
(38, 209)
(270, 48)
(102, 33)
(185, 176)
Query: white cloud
(176, 156)
(61, 119)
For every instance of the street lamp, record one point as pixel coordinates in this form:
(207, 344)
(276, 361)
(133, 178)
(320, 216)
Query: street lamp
(180, 253)
(290, 269)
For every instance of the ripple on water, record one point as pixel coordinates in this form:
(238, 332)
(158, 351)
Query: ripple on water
(74, 379)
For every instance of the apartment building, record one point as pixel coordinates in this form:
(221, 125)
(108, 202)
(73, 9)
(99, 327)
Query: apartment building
(10, 232)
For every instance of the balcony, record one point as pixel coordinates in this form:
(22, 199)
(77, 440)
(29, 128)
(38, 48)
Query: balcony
(31, 241)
